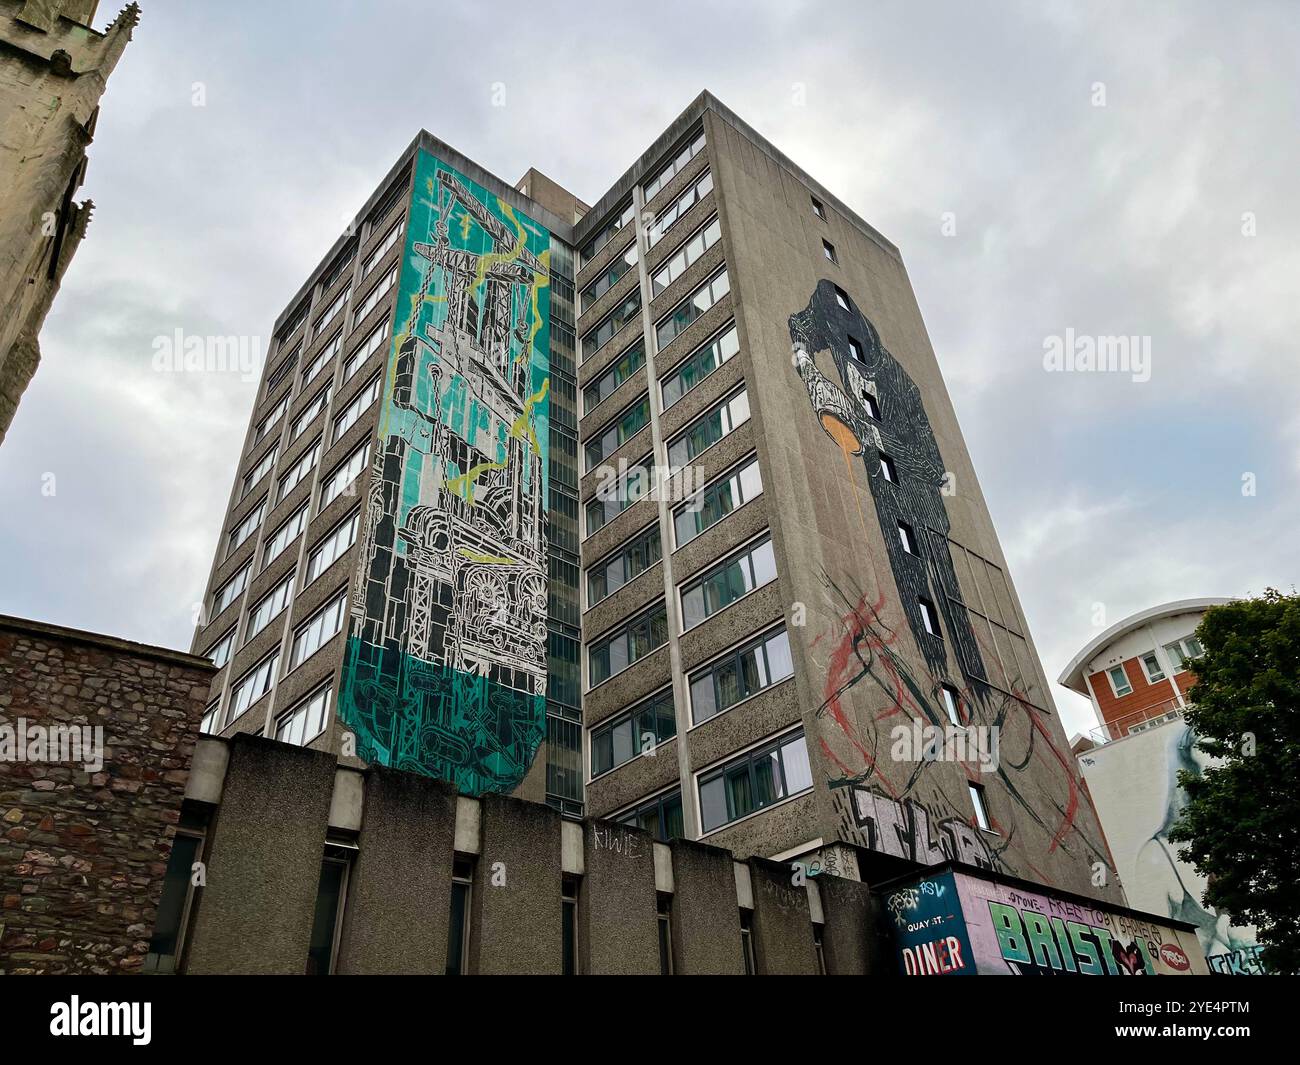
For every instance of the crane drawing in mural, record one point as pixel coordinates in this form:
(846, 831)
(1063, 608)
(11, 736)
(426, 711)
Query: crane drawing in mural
(446, 669)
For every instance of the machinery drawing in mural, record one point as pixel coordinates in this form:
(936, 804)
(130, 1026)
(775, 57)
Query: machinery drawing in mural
(922, 810)
(445, 671)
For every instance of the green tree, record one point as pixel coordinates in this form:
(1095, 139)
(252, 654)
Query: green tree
(1241, 825)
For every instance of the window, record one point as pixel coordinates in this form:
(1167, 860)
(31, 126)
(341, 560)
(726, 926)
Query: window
(819, 936)
(929, 617)
(855, 350)
(660, 816)
(907, 537)
(664, 914)
(977, 801)
(717, 500)
(612, 276)
(318, 403)
(220, 651)
(269, 607)
(595, 339)
(842, 298)
(625, 426)
(869, 401)
(740, 673)
(681, 260)
(368, 347)
(231, 590)
(392, 237)
(327, 922)
(246, 527)
(631, 560)
(300, 469)
(344, 421)
(328, 551)
(280, 373)
(1151, 665)
(339, 265)
(757, 779)
(295, 319)
(828, 249)
(747, 942)
(817, 207)
(305, 721)
(951, 703)
(888, 470)
(462, 884)
(569, 925)
(264, 426)
(252, 686)
(333, 309)
(253, 476)
(319, 629)
(709, 429)
(695, 306)
(1119, 682)
(679, 161)
(697, 366)
(284, 536)
(1181, 650)
(615, 496)
(167, 944)
(564, 769)
(211, 719)
(726, 582)
(629, 642)
(375, 295)
(606, 233)
(323, 358)
(627, 735)
(339, 481)
(670, 215)
(600, 389)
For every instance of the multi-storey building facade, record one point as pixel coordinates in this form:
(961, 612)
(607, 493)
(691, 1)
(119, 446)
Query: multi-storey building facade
(658, 511)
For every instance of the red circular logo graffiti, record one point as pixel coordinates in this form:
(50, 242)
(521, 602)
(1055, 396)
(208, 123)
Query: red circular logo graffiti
(1174, 957)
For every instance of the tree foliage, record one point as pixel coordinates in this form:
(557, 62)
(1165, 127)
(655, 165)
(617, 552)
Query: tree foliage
(1241, 825)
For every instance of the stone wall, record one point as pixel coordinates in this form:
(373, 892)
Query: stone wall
(84, 846)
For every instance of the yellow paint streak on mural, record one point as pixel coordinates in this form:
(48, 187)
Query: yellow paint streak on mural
(463, 484)
(490, 560)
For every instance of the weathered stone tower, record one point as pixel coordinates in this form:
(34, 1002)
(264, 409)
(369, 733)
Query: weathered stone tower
(53, 70)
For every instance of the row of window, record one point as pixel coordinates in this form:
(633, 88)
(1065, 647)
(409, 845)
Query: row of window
(1178, 653)
(339, 482)
(742, 785)
(613, 274)
(670, 215)
(687, 255)
(308, 638)
(626, 214)
(331, 547)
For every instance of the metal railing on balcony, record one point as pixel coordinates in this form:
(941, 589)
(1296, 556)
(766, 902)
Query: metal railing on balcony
(1148, 717)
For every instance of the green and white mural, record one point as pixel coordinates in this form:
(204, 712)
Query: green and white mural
(445, 672)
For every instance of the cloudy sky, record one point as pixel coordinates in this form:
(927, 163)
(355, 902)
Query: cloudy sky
(1104, 167)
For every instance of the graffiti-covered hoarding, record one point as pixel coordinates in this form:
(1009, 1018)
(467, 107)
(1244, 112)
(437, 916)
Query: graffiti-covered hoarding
(445, 672)
(995, 927)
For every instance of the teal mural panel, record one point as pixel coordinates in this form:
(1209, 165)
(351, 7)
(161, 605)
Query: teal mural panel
(445, 668)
